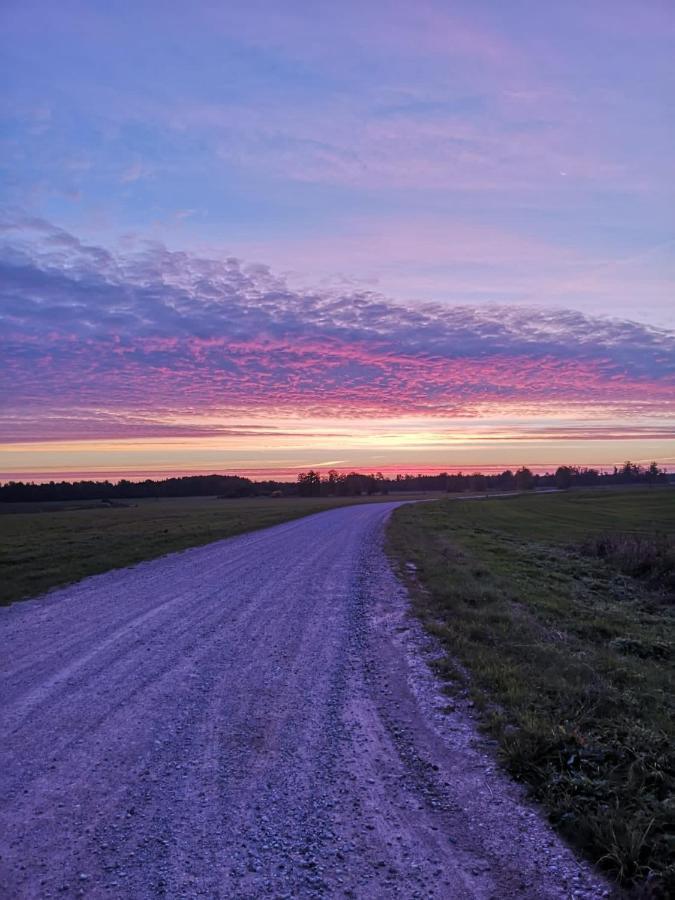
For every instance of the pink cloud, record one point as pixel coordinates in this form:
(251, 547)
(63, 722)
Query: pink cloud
(92, 331)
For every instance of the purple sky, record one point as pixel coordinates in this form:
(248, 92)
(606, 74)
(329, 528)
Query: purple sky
(260, 235)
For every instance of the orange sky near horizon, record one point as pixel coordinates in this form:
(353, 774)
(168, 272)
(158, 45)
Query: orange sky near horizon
(288, 446)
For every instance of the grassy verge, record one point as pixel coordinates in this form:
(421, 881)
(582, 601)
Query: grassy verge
(567, 653)
(46, 545)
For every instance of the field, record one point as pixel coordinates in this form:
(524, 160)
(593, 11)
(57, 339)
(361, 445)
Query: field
(556, 613)
(50, 544)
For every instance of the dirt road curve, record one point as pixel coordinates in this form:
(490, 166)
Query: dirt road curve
(252, 719)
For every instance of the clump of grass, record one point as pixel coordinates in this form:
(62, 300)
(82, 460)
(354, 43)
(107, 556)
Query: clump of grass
(645, 556)
(568, 661)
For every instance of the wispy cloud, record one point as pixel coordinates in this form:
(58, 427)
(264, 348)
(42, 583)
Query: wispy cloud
(135, 172)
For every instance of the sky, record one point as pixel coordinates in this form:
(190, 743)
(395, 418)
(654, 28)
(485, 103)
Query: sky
(259, 237)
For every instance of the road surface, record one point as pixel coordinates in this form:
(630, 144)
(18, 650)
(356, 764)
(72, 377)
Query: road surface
(252, 718)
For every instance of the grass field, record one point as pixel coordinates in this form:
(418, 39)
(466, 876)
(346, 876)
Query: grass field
(44, 545)
(566, 649)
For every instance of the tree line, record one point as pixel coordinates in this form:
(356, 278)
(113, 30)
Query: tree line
(314, 484)
(332, 483)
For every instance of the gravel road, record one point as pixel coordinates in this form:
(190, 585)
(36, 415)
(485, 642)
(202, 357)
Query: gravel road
(253, 718)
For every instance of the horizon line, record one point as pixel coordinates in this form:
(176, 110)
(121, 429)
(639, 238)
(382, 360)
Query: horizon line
(290, 474)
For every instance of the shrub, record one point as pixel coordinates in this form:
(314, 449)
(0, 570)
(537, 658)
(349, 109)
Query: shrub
(649, 557)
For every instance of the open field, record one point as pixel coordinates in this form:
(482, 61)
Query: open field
(557, 616)
(44, 545)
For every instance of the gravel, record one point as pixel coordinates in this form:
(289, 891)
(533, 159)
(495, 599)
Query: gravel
(253, 718)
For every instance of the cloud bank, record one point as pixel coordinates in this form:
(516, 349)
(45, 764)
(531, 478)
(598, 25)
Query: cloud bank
(120, 340)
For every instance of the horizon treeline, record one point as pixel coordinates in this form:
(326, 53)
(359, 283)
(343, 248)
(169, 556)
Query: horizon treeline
(332, 483)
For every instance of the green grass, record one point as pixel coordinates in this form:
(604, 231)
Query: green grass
(50, 544)
(569, 659)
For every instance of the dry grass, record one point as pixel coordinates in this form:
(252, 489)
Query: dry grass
(650, 557)
(569, 655)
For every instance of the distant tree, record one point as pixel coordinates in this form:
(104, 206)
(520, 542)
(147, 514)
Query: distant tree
(505, 481)
(564, 476)
(589, 476)
(478, 482)
(309, 484)
(524, 479)
(630, 472)
(653, 474)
